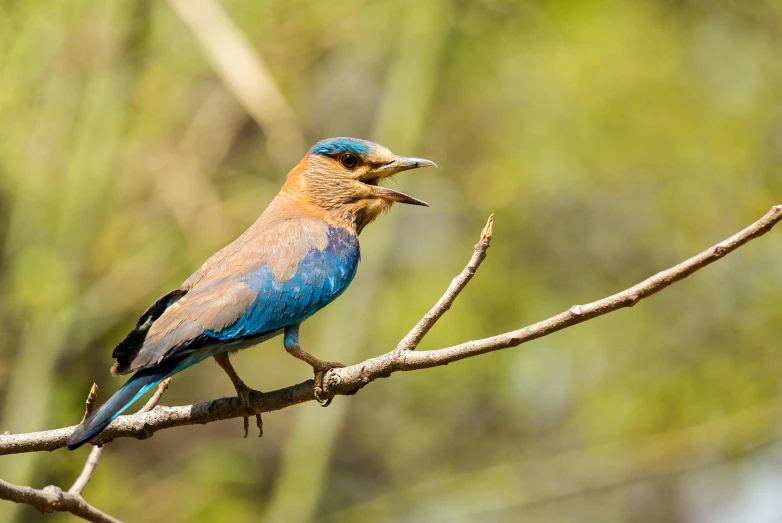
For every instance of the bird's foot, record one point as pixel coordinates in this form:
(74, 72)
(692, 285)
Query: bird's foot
(243, 392)
(321, 368)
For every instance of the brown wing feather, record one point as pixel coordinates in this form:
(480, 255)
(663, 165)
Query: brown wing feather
(280, 238)
(209, 308)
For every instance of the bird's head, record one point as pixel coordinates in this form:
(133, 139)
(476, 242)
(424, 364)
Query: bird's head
(341, 176)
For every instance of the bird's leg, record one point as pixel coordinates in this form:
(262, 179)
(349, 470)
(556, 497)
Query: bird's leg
(242, 390)
(320, 367)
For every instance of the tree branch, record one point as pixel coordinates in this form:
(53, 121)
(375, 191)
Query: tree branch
(347, 380)
(52, 499)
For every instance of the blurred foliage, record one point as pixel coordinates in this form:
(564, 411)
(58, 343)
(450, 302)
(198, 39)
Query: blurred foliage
(611, 139)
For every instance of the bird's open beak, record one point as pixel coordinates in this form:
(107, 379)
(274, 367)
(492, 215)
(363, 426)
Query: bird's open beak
(397, 165)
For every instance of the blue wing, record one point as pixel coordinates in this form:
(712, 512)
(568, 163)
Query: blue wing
(321, 277)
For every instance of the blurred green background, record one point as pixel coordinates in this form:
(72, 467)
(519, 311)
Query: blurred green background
(611, 138)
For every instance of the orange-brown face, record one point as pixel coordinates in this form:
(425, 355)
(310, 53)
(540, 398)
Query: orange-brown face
(341, 175)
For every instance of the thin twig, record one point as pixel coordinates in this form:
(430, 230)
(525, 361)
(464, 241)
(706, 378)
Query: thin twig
(349, 379)
(92, 461)
(153, 401)
(87, 471)
(52, 499)
(90, 403)
(414, 337)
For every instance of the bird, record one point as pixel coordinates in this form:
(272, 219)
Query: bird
(299, 256)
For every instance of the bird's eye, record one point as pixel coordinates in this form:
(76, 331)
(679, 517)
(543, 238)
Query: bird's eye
(349, 160)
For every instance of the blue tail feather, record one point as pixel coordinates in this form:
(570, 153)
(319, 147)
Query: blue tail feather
(135, 387)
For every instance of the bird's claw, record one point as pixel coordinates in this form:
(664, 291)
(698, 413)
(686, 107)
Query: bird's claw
(322, 402)
(320, 371)
(244, 395)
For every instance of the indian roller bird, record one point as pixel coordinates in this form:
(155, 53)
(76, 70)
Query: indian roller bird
(298, 257)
